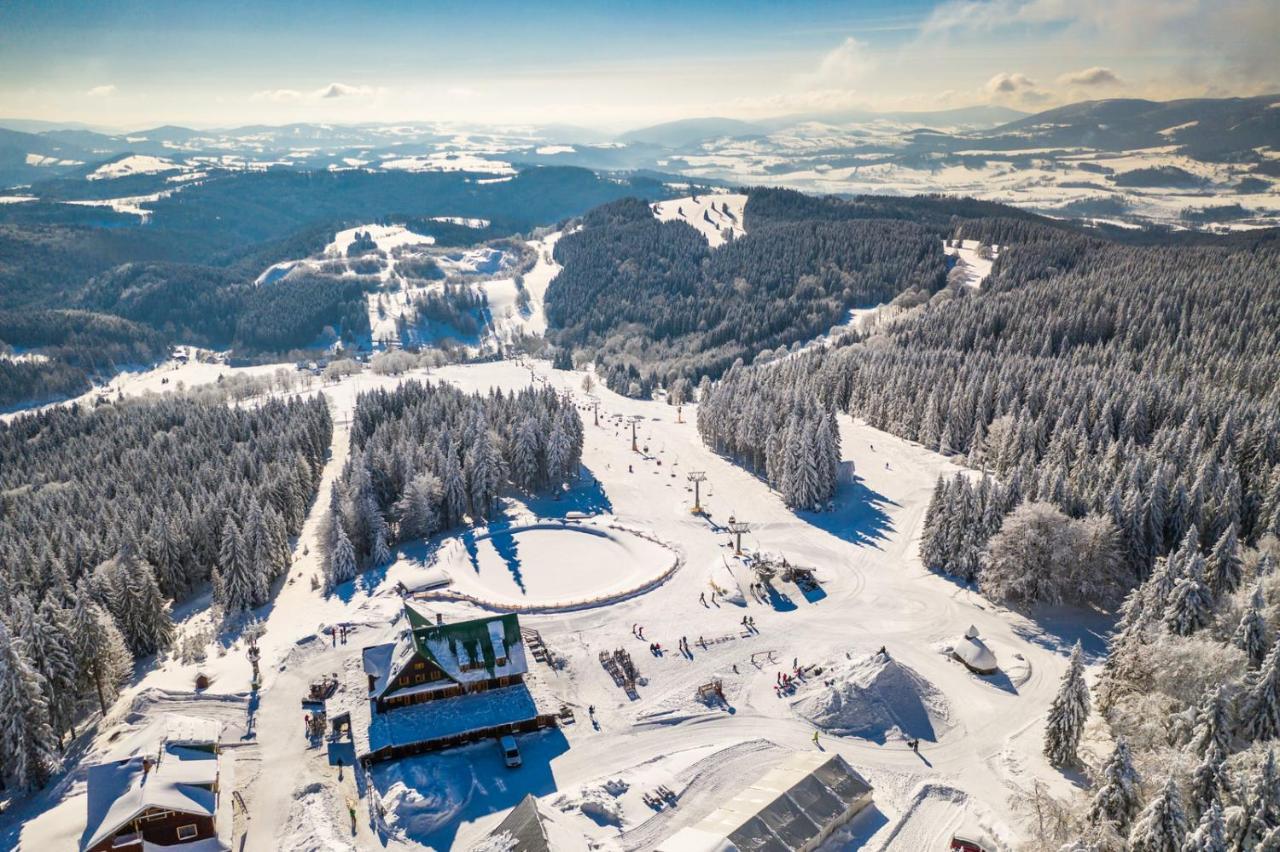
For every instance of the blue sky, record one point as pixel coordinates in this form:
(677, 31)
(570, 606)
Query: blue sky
(614, 65)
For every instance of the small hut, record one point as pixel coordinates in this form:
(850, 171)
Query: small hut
(974, 653)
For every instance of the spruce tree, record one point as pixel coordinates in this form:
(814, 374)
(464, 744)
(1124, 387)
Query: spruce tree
(1162, 825)
(1212, 728)
(1210, 834)
(418, 509)
(1117, 797)
(102, 659)
(341, 564)
(1067, 714)
(1259, 718)
(1251, 634)
(1190, 606)
(1209, 784)
(26, 739)
(1225, 567)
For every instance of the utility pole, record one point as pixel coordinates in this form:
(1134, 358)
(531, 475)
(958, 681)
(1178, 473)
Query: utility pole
(697, 477)
(738, 527)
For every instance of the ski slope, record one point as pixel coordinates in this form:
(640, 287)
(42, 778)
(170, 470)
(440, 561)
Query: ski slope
(874, 593)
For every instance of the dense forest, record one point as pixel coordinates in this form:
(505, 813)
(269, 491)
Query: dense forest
(650, 302)
(425, 456)
(187, 275)
(110, 514)
(1120, 407)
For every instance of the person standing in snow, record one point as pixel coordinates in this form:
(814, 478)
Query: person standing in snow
(815, 737)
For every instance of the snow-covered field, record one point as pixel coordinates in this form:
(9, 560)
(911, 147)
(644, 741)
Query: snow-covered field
(712, 215)
(985, 732)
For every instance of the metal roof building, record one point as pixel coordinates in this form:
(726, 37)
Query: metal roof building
(794, 807)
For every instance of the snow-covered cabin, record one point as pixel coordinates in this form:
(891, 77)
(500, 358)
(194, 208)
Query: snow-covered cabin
(441, 685)
(974, 653)
(796, 805)
(169, 795)
(433, 660)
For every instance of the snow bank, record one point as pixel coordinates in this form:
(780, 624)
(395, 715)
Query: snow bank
(423, 797)
(873, 698)
(310, 826)
(598, 802)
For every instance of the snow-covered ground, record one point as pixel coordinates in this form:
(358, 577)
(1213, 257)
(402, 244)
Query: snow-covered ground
(712, 214)
(985, 732)
(974, 267)
(134, 164)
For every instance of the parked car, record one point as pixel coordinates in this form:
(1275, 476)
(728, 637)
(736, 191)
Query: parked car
(510, 751)
(961, 843)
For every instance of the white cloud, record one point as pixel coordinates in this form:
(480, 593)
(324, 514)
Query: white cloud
(102, 91)
(1016, 88)
(324, 93)
(1095, 76)
(846, 64)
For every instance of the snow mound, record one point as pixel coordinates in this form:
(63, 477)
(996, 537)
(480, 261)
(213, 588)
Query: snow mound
(597, 802)
(873, 698)
(416, 806)
(724, 584)
(310, 826)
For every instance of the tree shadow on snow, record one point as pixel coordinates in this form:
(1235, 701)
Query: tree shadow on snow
(585, 494)
(1058, 628)
(859, 516)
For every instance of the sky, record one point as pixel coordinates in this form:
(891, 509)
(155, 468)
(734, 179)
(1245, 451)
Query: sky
(125, 64)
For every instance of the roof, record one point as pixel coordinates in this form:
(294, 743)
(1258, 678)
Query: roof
(528, 828)
(433, 720)
(466, 651)
(973, 652)
(181, 780)
(792, 806)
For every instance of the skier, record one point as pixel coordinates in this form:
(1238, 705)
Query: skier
(702, 598)
(815, 737)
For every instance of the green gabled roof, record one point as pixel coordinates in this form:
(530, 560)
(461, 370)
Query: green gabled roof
(472, 637)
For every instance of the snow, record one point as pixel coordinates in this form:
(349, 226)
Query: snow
(449, 161)
(551, 565)
(16, 199)
(874, 592)
(387, 237)
(974, 267)
(875, 698)
(134, 164)
(710, 223)
(547, 150)
(463, 221)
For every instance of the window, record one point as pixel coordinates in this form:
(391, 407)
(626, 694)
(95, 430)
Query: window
(157, 815)
(419, 678)
(403, 680)
(419, 665)
(501, 661)
(187, 832)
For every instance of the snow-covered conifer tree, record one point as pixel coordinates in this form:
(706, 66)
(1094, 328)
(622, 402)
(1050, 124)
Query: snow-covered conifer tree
(238, 584)
(26, 739)
(419, 509)
(1067, 714)
(1225, 568)
(1162, 825)
(1259, 717)
(1210, 834)
(101, 656)
(341, 564)
(1213, 723)
(1210, 782)
(1251, 634)
(1190, 605)
(1116, 799)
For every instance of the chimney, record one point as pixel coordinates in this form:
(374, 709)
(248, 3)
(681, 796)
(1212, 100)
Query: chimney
(439, 618)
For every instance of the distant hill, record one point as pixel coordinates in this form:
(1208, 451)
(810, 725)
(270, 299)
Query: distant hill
(1201, 126)
(678, 134)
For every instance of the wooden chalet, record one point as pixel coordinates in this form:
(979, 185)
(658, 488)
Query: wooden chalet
(168, 796)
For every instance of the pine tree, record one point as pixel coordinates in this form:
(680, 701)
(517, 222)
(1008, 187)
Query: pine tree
(1067, 714)
(1251, 634)
(559, 452)
(1260, 704)
(1262, 803)
(1162, 825)
(49, 645)
(1190, 606)
(101, 657)
(26, 739)
(1210, 782)
(526, 466)
(1210, 834)
(341, 564)
(1212, 723)
(1117, 797)
(418, 509)
(454, 497)
(238, 581)
(1225, 567)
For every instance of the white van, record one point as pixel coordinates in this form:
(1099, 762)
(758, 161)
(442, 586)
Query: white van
(510, 752)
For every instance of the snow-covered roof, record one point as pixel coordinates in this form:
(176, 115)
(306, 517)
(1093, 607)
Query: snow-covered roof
(793, 806)
(432, 720)
(973, 652)
(529, 828)
(466, 651)
(181, 780)
(180, 729)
